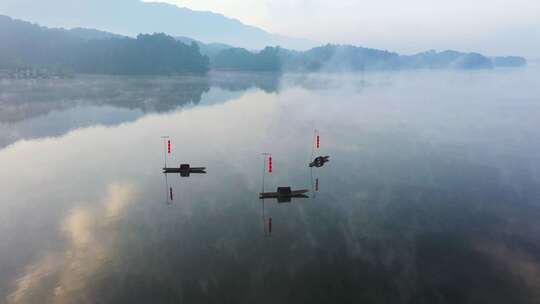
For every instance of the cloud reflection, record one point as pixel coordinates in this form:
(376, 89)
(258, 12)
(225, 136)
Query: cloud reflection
(60, 277)
(398, 217)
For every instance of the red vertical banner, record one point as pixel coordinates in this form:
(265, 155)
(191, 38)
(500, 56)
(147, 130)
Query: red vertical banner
(270, 225)
(170, 193)
(169, 146)
(270, 164)
(317, 184)
(318, 141)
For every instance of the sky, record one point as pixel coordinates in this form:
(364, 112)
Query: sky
(496, 27)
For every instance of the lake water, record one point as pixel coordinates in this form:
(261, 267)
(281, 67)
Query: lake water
(431, 195)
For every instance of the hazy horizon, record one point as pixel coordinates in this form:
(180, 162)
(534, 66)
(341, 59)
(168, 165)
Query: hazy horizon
(493, 29)
(490, 27)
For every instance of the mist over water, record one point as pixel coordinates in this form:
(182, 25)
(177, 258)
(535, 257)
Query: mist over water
(431, 194)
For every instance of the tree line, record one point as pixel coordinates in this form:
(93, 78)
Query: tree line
(25, 45)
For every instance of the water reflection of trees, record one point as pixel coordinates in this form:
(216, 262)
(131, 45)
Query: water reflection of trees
(238, 81)
(22, 101)
(25, 99)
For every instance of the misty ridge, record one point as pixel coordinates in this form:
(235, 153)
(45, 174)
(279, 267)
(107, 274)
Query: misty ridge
(132, 17)
(30, 50)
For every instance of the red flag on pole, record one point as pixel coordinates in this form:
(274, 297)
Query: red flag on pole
(169, 146)
(270, 225)
(270, 164)
(318, 141)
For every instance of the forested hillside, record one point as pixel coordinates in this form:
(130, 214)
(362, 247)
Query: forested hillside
(24, 45)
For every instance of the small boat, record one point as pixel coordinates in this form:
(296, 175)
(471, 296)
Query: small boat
(284, 194)
(185, 170)
(319, 161)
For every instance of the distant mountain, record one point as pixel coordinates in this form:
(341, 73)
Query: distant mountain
(352, 58)
(25, 45)
(509, 61)
(334, 58)
(28, 46)
(447, 59)
(132, 17)
(240, 59)
(91, 34)
(207, 49)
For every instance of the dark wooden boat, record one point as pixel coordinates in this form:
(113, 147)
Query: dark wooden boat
(319, 161)
(185, 170)
(284, 194)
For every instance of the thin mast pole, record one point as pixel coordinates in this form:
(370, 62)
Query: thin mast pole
(264, 169)
(262, 191)
(165, 149)
(313, 144)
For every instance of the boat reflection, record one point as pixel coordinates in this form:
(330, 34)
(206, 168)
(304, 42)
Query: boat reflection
(315, 183)
(184, 171)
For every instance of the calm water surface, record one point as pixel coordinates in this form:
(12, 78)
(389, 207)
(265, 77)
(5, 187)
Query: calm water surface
(432, 194)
